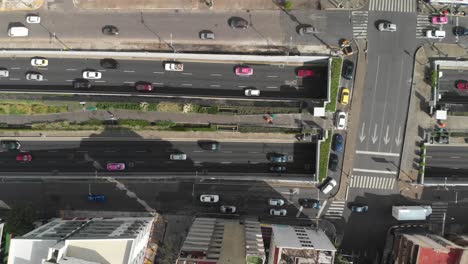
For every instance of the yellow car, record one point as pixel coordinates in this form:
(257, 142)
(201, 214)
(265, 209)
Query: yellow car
(344, 96)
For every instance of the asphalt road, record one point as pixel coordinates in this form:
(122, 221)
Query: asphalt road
(446, 162)
(196, 79)
(153, 156)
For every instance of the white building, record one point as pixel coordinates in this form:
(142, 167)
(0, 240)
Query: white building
(113, 240)
(300, 245)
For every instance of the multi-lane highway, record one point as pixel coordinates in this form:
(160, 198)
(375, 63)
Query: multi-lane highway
(154, 156)
(196, 79)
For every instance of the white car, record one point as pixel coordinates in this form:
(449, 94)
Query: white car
(329, 186)
(252, 92)
(435, 34)
(178, 156)
(39, 62)
(4, 73)
(341, 120)
(278, 212)
(388, 27)
(276, 202)
(33, 19)
(209, 198)
(34, 76)
(229, 209)
(173, 66)
(94, 75)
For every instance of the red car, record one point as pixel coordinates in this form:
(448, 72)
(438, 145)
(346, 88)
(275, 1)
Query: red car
(244, 71)
(144, 87)
(24, 157)
(115, 166)
(438, 20)
(462, 85)
(305, 73)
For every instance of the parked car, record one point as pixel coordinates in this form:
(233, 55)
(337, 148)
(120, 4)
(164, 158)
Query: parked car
(276, 202)
(277, 157)
(359, 208)
(10, 144)
(440, 19)
(462, 85)
(341, 120)
(310, 203)
(251, 92)
(92, 74)
(243, 71)
(333, 162)
(109, 64)
(277, 168)
(435, 34)
(305, 30)
(228, 209)
(210, 145)
(206, 35)
(110, 30)
(387, 27)
(238, 23)
(344, 98)
(144, 86)
(33, 19)
(209, 198)
(96, 197)
(303, 73)
(81, 84)
(348, 70)
(4, 72)
(460, 31)
(330, 184)
(173, 66)
(278, 212)
(118, 166)
(337, 143)
(34, 76)
(178, 156)
(39, 62)
(24, 157)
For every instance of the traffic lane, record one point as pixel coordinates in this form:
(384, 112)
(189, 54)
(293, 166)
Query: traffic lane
(372, 162)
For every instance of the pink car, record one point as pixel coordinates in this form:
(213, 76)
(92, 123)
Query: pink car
(437, 20)
(115, 166)
(244, 71)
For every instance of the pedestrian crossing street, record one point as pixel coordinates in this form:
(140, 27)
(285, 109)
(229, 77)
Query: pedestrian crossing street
(406, 6)
(438, 210)
(359, 20)
(423, 23)
(372, 182)
(335, 210)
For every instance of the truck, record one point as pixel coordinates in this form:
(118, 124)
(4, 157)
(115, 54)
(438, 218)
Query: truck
(173, 66)
(411, 213)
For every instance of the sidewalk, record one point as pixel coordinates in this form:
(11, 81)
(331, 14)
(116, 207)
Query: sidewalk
(23, 5)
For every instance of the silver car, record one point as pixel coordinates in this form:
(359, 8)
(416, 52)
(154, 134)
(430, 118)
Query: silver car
(178, 156)
(90, 74)
(34, 76)
(228, 209)
(207, 34)
(278, 212)
(276, 202)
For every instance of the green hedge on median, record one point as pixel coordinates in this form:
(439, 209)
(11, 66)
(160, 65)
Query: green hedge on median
(324, 157)
(334, 83)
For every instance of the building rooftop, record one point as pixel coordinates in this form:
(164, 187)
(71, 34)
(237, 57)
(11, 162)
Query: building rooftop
(296, 237)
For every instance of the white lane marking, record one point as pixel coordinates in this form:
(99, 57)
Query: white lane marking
(378, 153)
(158, 83)
(300, 211)
(101, 70)
(187, 84)
(375, 171)
(100, 81)
(216, 74)
(69, 80)
(225, 162)
(228, 151)
(321, 208)
(254, 162)
(454, 157)
(241, 86)
(71, 69)
(197, 151)
(110, 151)
(140, 151)
(215, 85)
(253, 152)
(16, 68)
(272, 87)
(272, 76)
(187, 73)
(128, 71)
(14, 79)
(128, 82)
(159, 72)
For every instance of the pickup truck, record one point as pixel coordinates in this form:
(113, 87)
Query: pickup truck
(173, 66)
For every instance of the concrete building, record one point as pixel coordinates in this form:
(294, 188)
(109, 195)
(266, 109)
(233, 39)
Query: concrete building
(427, 248)
(84, 241)
(300, 245)
(221, 241)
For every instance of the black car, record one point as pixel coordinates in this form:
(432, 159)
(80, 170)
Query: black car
(109, 64)
(277, 168)
(277, 157)
(10, 144)
(238, 22)
(348, 69)
(460, 31)
(337, 143)
(81, 84)
(110, 30)
(210, 145)
(333, 163)
(309, 203)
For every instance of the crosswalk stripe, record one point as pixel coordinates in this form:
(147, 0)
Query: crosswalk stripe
(359, 19)
(438, 210)
(393, 5)
(335, 210)
(372, 182)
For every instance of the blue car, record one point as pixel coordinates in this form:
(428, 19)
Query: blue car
(96, 197)
(338, 142)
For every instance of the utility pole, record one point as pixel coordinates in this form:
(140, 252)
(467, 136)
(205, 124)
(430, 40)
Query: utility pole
(443, 224)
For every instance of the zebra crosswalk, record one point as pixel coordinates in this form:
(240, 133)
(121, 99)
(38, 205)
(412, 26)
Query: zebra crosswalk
(359, 20)
(406, 6)
(372, 182)
(335, 210)
(438, 210)
(423, 23)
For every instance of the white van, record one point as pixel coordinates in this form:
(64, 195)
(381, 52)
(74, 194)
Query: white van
(18, 32)
(326, 188)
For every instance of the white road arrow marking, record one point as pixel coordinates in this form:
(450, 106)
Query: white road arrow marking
(398, 138)
(375, 137)
(386, 138)
(362, 136)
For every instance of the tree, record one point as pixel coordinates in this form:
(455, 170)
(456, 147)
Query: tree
(288, 5)
(19, 220)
